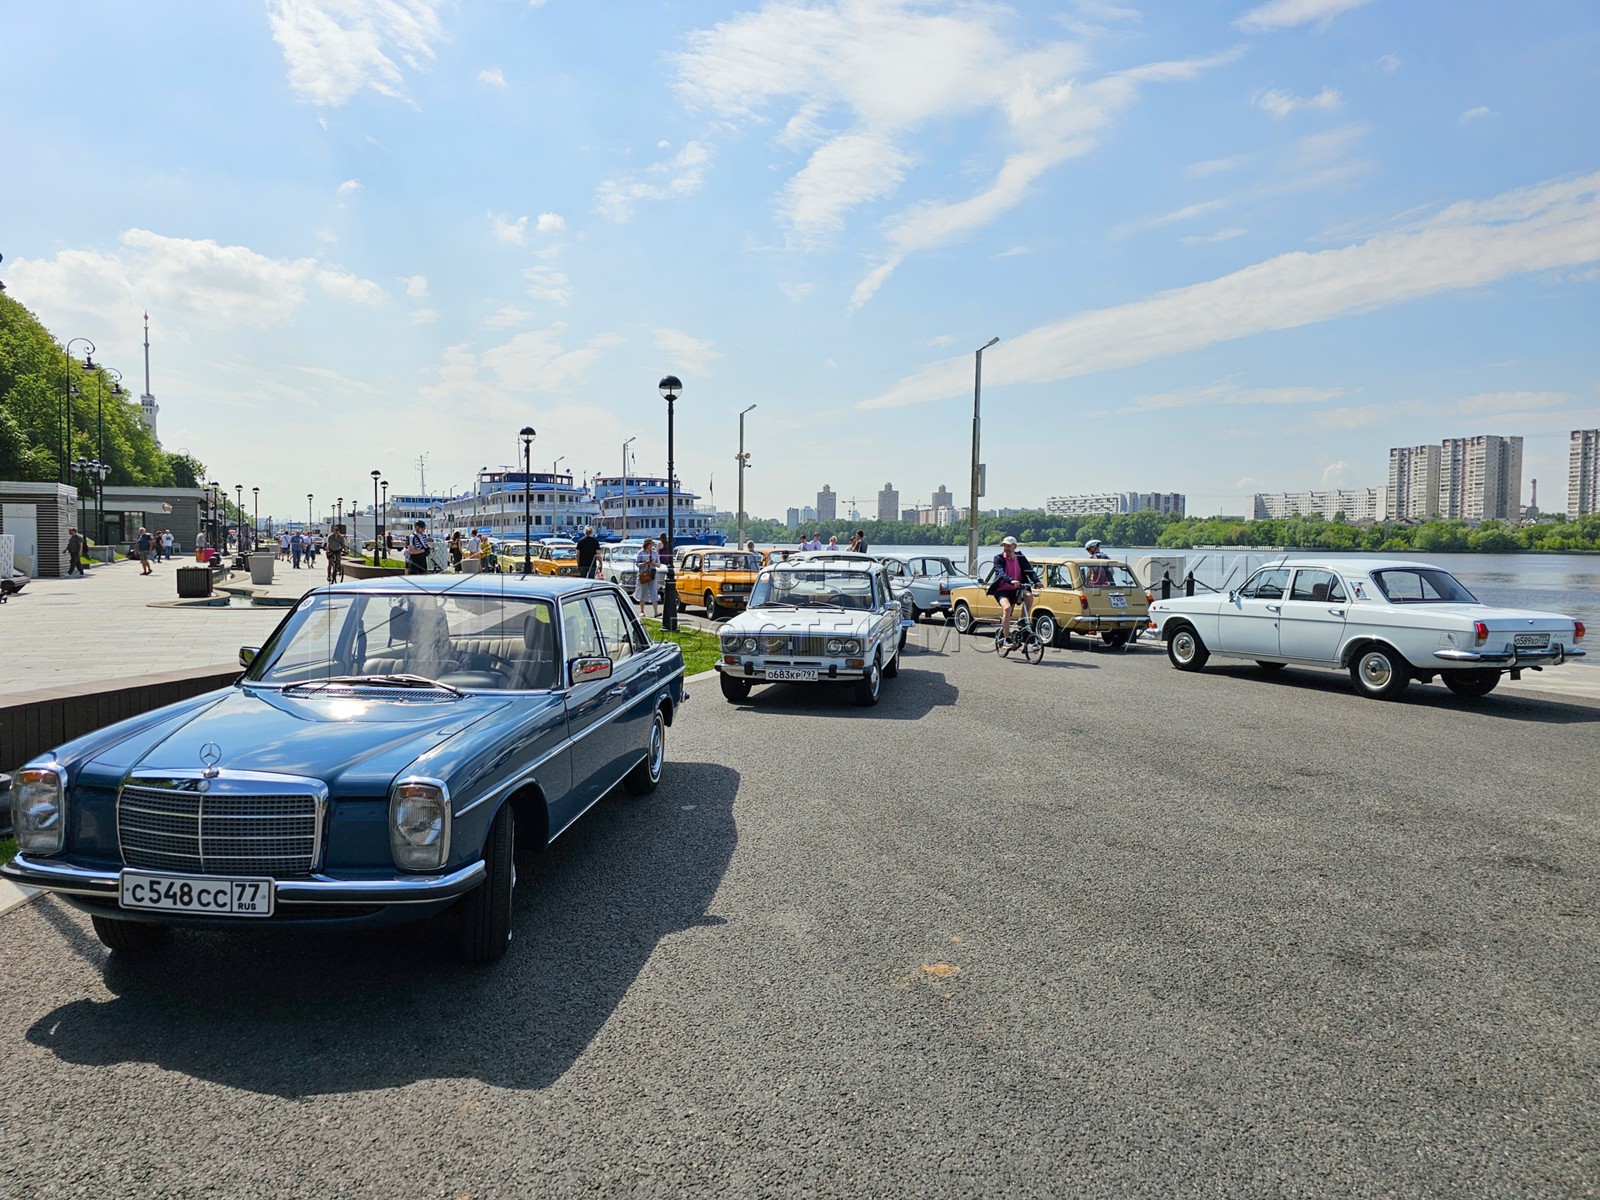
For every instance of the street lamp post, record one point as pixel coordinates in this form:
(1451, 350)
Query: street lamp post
(378, 547)
(972, 512)
(553, 467)
(527, 435)
(105, 467)
(744, 465)
(72, 390)
(384, 484)
(625, 446)
(255, 530)
(238, 514)
(669, 387)
(216, 492)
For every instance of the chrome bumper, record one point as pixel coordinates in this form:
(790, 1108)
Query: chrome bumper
(1511, 656)
(319, 889)
(830, 673)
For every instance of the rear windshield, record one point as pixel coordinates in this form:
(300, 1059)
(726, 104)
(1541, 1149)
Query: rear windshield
(1421, 585)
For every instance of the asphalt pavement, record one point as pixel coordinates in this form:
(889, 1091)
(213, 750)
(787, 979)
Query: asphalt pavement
(1086, 928)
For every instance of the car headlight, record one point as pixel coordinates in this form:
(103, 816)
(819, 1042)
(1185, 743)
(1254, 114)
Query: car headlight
(852, 646)
(39, 809)
(419, 824)
(751, 645)
(835, 646)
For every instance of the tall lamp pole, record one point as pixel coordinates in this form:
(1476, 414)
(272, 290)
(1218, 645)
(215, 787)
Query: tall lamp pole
(384, 484)
(669, 387)
(255, 527)
(972, 511)
(625, 446)
(216, 493)
(527, 435)
(378, 548)
(238, 513)
(744, 465)
(72, 390)
(553, 467)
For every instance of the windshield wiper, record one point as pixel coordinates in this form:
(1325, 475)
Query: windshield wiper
(394, 681)
(774, 604)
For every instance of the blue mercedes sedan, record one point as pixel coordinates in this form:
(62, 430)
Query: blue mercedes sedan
(380, 759)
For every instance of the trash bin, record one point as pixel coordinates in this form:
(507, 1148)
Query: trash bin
(194, 583)
(261, 567)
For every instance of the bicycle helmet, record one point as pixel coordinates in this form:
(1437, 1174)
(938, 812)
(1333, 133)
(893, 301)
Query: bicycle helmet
(1092, 545)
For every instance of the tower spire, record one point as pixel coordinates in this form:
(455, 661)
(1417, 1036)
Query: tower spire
(148, 408)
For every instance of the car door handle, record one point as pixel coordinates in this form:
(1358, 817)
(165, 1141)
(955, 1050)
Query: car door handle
(1274, 608)
(1336, 612)
(618, 691)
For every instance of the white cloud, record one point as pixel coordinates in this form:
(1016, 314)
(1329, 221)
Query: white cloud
(200, 282)
(507, 318)
(1509, 402)
(1280, 104)
(679, 177)
(334, 48)
(547, 284)
(347, 187)
(1474, 114)
(797, 291)
(1468, 244)
(326, 236)
(942, 339)
(1227, 392)
(1335, 475)
(424, 316)
(685, 355)
(1208, 239)
(862, 78)
(535, 361)
(1215, 166)
(508, 230)
(1390, 63)
(416, 288)
(493, 76)
(1284, 14)
(550, 222)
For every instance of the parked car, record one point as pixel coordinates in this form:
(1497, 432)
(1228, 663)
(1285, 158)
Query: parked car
(555, 556)
(617, 563)
(930, 581)
(815, 622)
(894, 569)
(1097, 597)
(1386, 622)
(717, 580)
(378, 761)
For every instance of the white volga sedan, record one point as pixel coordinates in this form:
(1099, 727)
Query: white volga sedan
(815, 622)
(1385, 622)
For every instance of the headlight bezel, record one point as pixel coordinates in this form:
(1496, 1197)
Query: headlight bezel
(34, 836)
(427, 802)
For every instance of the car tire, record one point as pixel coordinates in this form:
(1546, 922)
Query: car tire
(1115, 638)
(868, 688)
(1044, 624)
(1471, 684)
(1379, 673)
(128, 937)
(892, 667)
(962, 617)
(916, 614)
(735, 691)
(1185, 650)
(710, 605)
(646, 774)
(1270, 666)
(483, 918)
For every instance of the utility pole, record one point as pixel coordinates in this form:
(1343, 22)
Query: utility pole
(744, 465)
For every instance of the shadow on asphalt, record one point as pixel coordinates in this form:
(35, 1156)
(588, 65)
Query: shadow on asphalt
(297, 1015)
(1509, 706)
(909, 696)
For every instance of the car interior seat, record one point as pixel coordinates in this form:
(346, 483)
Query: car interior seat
(538, 666)
(1319, 591)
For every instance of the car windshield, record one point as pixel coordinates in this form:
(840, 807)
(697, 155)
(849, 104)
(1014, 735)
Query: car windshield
(465, 641)
(1421, 585)
(563, 551)
(816, 588)
(732, 562)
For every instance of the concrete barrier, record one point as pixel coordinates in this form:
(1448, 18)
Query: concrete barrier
(33, 722)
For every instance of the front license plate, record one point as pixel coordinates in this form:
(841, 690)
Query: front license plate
(202, 895)
(1117, 601)
(792, 675)
(1532, 640)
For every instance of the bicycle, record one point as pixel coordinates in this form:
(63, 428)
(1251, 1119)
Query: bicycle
(1022, 637)
(335, 568)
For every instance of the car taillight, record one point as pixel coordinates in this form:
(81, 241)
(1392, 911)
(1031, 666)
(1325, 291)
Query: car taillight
(944, 589)
(1481, 631)
(1149, 597)
(1083, 601)
(1578, 631)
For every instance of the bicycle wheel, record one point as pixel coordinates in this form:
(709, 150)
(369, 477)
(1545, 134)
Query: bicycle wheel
(1001, 641)
(1032, 647)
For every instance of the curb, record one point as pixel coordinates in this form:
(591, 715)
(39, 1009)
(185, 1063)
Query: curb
(14, 896)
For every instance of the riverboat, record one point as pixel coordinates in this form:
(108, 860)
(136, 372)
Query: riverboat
(635, 506)
(505, 503)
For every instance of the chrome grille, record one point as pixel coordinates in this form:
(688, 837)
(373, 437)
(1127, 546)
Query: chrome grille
(801, 645)
(168, 830)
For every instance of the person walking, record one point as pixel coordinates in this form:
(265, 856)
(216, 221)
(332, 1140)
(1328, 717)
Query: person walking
(588, 553)
(647, 588)
(296, 548)
(74, 552)
(417, 546)
(166, 544)
(141, 550)
(456, 551)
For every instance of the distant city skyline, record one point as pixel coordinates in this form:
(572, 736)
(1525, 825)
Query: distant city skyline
(1226, 248)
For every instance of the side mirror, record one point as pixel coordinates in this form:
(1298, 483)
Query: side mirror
(247, 655)
(588, 670)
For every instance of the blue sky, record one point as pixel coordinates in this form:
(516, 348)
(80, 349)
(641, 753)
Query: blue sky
(1227, 247)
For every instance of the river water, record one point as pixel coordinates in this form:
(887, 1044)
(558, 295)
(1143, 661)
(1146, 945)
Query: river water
(1560, 583)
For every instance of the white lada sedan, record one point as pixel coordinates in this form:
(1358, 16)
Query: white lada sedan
(1386, 622)
(815, 622)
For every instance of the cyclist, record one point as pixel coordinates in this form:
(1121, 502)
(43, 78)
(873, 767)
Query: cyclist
(1096, 576)
(335, 546)
(1013, 577)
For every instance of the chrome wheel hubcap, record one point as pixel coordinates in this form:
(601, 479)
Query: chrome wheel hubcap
(1375, 669)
